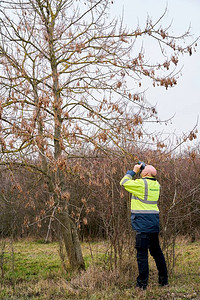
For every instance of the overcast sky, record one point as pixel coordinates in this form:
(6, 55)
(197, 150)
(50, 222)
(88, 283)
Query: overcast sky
(182, 100)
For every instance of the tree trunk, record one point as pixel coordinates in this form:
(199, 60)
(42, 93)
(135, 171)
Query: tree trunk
(72, 242)
(69, 230)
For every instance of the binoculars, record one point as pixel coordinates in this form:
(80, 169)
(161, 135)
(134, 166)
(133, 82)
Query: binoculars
(142, 166)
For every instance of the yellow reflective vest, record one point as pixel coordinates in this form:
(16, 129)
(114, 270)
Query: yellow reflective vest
(144, 202)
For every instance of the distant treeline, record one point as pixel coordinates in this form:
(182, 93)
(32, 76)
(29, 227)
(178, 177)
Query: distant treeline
(96, 201)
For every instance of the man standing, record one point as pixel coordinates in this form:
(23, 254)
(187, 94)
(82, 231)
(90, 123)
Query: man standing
(145, 221)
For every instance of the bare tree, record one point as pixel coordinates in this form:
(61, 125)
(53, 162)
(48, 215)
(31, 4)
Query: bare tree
(69, 83)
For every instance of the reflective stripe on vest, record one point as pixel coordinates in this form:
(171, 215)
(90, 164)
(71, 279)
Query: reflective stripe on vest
(145, 194)
(144, 211)
(126, 179)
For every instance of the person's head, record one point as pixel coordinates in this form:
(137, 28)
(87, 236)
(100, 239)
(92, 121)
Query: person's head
(149, 171)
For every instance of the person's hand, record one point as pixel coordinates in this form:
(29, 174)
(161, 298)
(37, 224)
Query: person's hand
(136, 168)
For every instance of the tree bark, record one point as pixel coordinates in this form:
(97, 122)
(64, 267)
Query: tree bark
(72, 242)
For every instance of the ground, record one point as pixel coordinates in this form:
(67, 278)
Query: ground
(33, 270)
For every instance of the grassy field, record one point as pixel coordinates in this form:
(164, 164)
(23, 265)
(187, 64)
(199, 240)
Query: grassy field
(33, 270)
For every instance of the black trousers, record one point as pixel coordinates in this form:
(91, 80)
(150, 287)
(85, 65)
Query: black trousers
(145, 242)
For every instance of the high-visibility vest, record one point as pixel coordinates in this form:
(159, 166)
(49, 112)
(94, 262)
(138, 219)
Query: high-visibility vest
(145, 194)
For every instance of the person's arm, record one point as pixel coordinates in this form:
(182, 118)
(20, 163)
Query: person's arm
(127, 181)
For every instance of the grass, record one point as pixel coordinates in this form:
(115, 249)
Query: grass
(34, 271)
(32, 261)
